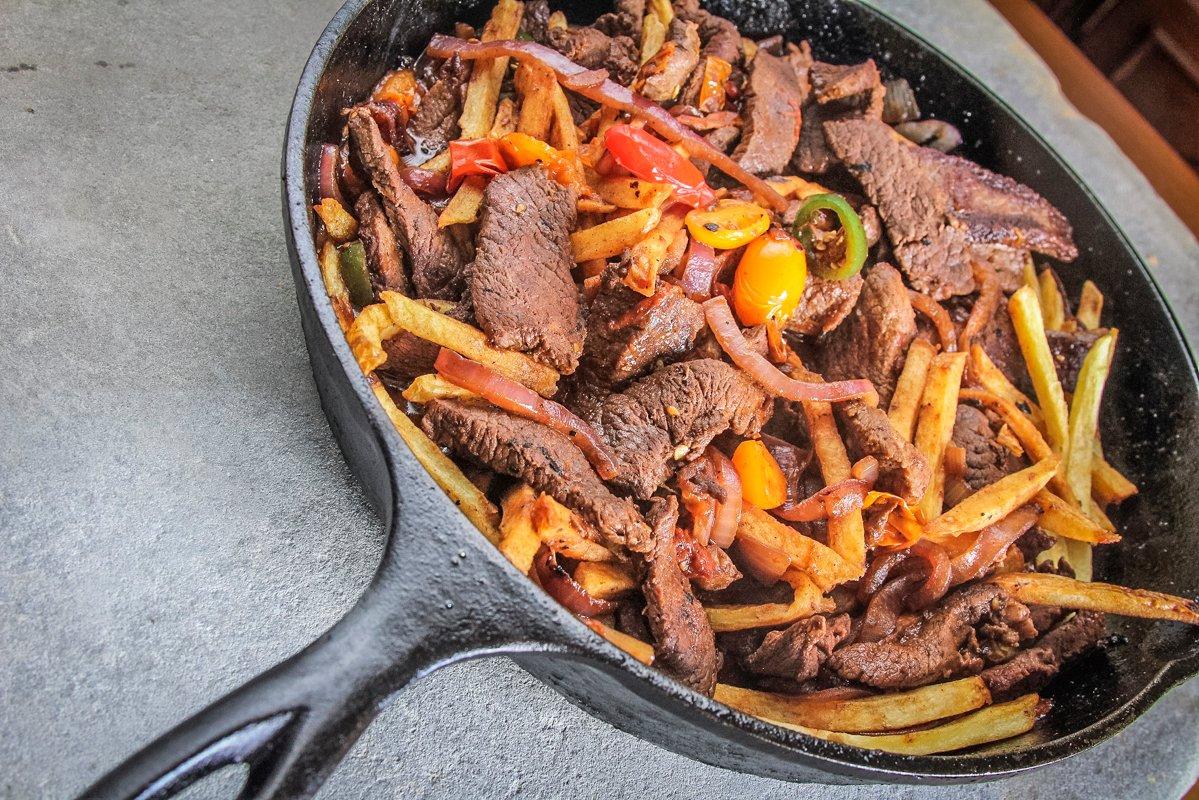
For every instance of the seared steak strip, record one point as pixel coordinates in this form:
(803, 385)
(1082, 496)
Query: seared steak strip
(773, 100)
(798, 652)
(1029, 670)
(382, 254)
(902, 469)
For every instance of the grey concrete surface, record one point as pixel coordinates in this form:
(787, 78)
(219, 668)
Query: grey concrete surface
(174, 513)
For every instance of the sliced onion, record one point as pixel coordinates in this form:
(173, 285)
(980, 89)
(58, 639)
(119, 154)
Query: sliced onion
(728, 510)
(523, 401)
(939, 573)
(326, 174)
(767, 564)
(878, 572)
(728, 334)
(835, 500)
(938, 316)
(353, 184)
(882, 613)
(985, 306)
(991, 542)
(562, 586)
(423, 181)
(699, 271)
(700, 504)
(587, 83)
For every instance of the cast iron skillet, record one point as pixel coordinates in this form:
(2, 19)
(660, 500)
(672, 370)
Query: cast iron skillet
(443, 594)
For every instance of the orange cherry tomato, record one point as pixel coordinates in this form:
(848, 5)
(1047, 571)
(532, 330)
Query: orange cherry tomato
(770, 278)
(762, 480)
(522, 150)
(729, 224)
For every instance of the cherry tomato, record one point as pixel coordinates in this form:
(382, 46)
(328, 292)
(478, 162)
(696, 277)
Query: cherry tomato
(729, 224)
(474, 157)
(762, 480)
(651, 159)
(770, 278)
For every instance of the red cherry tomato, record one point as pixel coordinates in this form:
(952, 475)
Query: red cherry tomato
(651, 159)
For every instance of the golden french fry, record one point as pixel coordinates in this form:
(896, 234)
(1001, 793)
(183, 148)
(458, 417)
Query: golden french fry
(1043, 588)
(642, 651)
(335, 286)
(846, 533)
(464, 206)
(794, 186)
(822, 564)
(483, 91)
(604, 580)
(339, 223)
(407, 314)
(653, 36)
(1053, 305)
(425, 388)
(438, 163)
(991, 724)
(1084, 415)
(991, 378)
(631, 193)
(518, 541)
(564, 532)
(590, 205)
(565, 134)
(993, 502)
(1065, 521)
(1090, 306)
(646, 257)
(373, 326)
(905, 403)
(884, 712)
(934, 426)
(505, 118)
(469, 499)
(1030, 277)
(614, 236)
(1107, 484)
(533, 83)
(808, 600)
(1030, 331)
(1008, 439)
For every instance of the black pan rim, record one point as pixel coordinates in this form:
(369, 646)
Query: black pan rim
(864, 764)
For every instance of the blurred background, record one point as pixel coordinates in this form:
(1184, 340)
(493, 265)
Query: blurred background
(1132, 66)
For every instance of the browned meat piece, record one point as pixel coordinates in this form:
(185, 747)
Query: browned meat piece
(666, 72)
(1031, 544)
(625, 20)
(684, 644)
(534, 24)
(824, 305)
(408, 355)
(672, 414)
(902, 469)
(542, 458)
(1008, 263)
(857, 82)
(435, 261)
(838, 92)
(799, 651)
(720, 37)
(435, 122)
(520, 283)
(382, 254)
(723, 574)
(943, 643)
(772, 115)
(873, 341)
(934, 133)
(1031, 669)
(986, 459)
(595, 49)
(940, 210)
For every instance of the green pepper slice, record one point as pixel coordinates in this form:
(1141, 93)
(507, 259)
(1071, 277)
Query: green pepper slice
(852, 234)
(352, 257)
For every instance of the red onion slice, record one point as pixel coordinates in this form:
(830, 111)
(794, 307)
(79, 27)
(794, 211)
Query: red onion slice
(562, 586)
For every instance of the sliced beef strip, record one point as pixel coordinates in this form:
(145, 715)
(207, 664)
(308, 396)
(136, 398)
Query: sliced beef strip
(1030, 669)
(666, 72)
(684, 644)
(986, 459)
(824, 304)
(798, 652)
(902, 469)
(672, 414)
(408, 355)
(543, 458)
(858, 83)
(942, 643)
(535, 21)
(720, 36)
(873, 340)
(772, 115)
(383, 257)
(594, 49)
(520, 283)
(838, 92)
(435, 260)
(624, 20)
(435, 122)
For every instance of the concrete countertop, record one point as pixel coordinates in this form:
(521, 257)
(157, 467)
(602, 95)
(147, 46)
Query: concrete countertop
(174, 514)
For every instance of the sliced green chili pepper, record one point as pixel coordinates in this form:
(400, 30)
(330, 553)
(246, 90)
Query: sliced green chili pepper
(353, 271)
(852, 233)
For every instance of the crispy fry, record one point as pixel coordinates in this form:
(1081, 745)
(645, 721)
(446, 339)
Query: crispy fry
(373, 326)
(808, 600)
(1053, 306)
(1108, 485)
(905, 403)
(604, 580)
(465, 340)
(614, 236)
(994, 502)
(647, 256)
(1090, 306)
(653, 36)
(335, 286)
(1030, 331)
(991, 378)
(846, 533)
(642, 651)
(479, 107)
(469, 499)
(564, 532)
(825, 567)
(339, 223)
(1046, 589)
(565, 134)
(934, 426)
(885, 712)
(534, 83)
(589, 205)
(518, 541)
(1008, 439)
(438, 163)
(433, 387)
(991, 724)
(625, 192)
(795, 186)
(464, 206)
(1084, 415)
(1065, 521)
(505, 118)
(1030, 277)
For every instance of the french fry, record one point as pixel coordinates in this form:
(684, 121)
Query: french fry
(1053, 305)
(373, 326)
(565, 134)
(425, 388)
(1108, 485)
(991, 724)
(905, 403)
(483, 90)
(1046, 589)
(1008, 439)
(991, 378)
(993, 502)
(339, 223)
(795, 186)
(1030, 277)
(653, 36)
(934, 426)
(630, 193)
(822, 564)
(808, 600)
(438, 163)
(642, 651)
(1065, 521)
(645, 258)
(614, 236)
(335, 286)
(846, 533)
(534, 83)
(562, 531)
(505, 118)
(885, 712)
(464, 206)
(1084, 415)
(1030, 331)
(407, 314)
(604, 580)
(518, 541)
(590, 205)
(1090, 306)
(469, 499)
